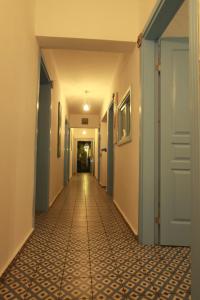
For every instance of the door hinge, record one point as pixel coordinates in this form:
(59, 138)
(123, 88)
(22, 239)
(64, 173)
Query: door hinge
(139, 40)
(157, 220)
(158, 67)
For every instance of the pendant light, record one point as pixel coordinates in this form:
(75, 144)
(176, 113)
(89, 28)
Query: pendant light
(86, 106)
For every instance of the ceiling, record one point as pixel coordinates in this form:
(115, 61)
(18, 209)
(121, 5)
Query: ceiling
(79, 71)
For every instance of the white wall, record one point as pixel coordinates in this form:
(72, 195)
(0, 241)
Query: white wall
(126, 171)
(99, 20)
(87, 19)
(126, 157)
(82, 133)
(56, 179)
(19, 93)
(75, 121)
(126, 162)
(144, 9)
(179, 25)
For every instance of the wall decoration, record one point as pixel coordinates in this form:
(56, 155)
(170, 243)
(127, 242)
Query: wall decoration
(115, 123)
(124, 119)
(59, 130)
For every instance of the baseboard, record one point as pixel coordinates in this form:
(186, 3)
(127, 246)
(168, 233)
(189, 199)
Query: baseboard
(56, 196)
(125, 219)
(15, 253)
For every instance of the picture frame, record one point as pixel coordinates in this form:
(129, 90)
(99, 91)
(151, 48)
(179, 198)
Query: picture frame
(124, 119)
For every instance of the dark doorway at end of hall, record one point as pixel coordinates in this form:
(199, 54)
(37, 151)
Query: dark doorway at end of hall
(84, 157)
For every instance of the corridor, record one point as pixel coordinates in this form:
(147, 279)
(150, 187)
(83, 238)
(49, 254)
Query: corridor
(83, 249)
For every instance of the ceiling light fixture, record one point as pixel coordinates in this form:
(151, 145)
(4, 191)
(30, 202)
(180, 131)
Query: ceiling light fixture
(84, 132)
(86, 106)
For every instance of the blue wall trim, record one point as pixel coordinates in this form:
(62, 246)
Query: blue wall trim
(161, 17)
(147, 150)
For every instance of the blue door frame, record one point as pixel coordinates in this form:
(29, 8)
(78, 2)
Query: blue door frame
(158, 22)
(99, 154)
(43, 141)
(67, 154)
(110, 165)
(69, 149)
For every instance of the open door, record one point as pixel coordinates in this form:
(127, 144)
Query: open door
(84, 156)
(175, 159)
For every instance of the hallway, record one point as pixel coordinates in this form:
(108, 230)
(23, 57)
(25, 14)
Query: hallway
(83, 249)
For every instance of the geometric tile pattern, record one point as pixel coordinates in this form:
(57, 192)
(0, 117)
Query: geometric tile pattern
(83, 249)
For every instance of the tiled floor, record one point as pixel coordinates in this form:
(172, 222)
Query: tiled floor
(82, 249)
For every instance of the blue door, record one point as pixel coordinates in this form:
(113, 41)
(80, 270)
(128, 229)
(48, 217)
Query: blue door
(175, 159)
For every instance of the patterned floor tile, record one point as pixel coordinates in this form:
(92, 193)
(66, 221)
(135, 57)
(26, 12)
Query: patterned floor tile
(73, 287)
(83, 249)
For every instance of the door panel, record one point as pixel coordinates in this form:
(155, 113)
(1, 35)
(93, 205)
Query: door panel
(175, 193)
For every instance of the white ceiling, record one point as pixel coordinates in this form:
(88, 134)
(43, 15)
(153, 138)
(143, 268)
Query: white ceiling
(84, 70)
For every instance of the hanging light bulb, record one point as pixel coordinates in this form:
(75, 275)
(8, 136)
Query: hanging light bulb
(86, 106)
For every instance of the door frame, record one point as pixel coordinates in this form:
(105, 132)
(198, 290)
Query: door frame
(99, 154)
(110, 151)
(67, 153)
(36, 134)
(49, 82)
(162, 15)
(76, 147)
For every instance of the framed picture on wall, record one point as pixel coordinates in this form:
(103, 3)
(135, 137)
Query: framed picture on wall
(124, 119)
(59, 130)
